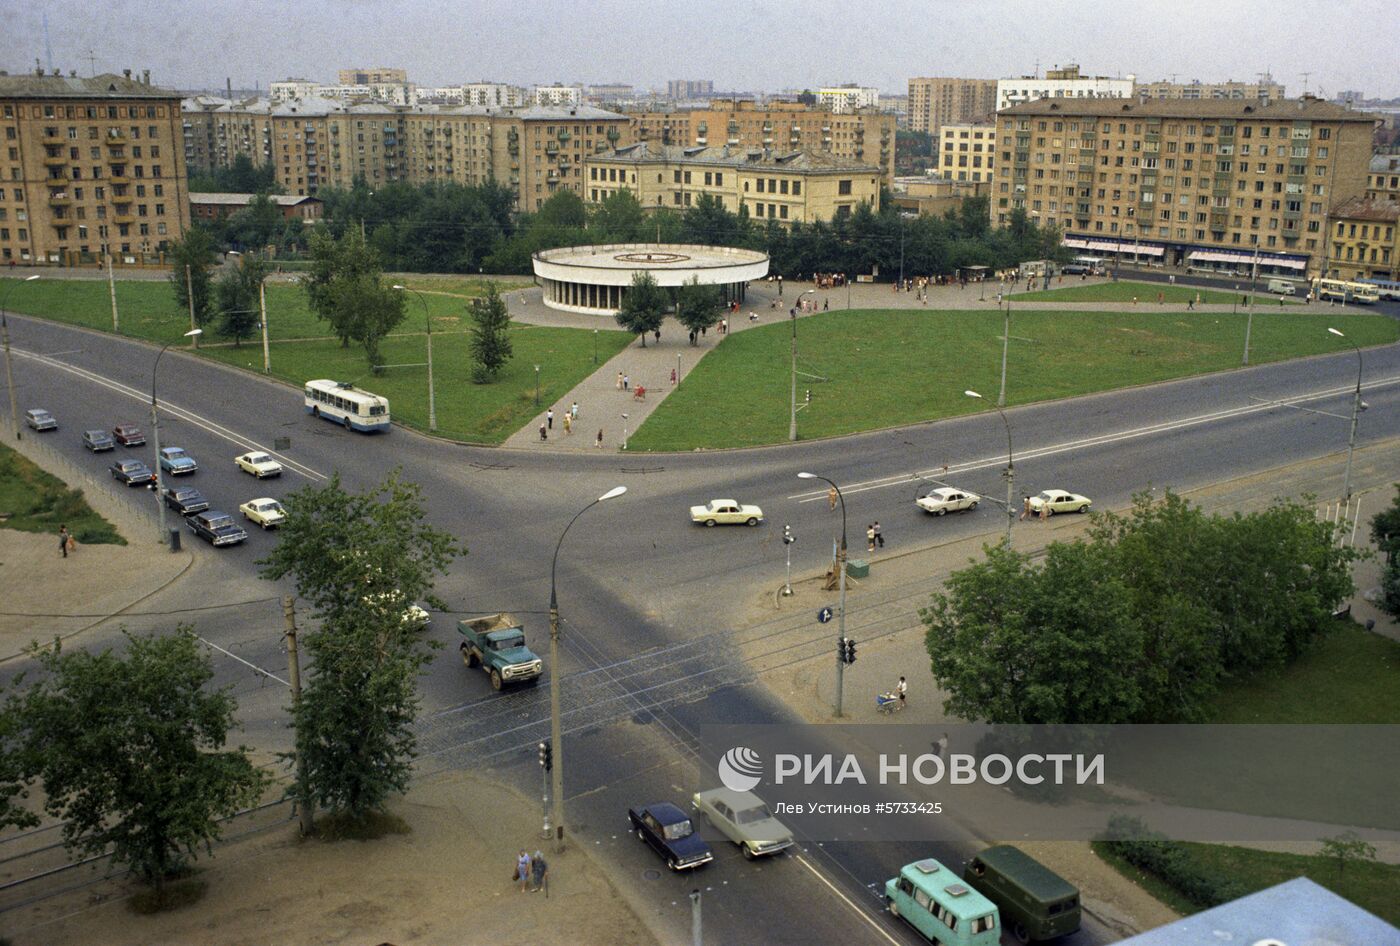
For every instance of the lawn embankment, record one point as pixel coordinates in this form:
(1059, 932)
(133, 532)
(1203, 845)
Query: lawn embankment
(34, 501)
(1144, 292)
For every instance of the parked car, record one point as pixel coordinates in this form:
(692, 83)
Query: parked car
(265, 512)
(743, 818)
(40, 420)
(216, 528)
(726, 512)
(1060, 501)
(186, 500)
(176, 462)
(945, 499)
(1036, 903)
(944, 910)
(128, 435)
(259, 464)
(132, 472)
(98, 441)
(669, 832)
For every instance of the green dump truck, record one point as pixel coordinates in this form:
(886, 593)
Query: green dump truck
(496, 643)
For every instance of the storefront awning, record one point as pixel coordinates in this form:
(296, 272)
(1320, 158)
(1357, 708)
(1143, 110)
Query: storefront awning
(1074, 244)
(1225, 256)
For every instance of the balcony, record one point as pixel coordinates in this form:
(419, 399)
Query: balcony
(116, 134)
(118, 179)
(123, 218)
(54, 141)
(59, 199)
(551, 149)
(55, 160)
(564, 135)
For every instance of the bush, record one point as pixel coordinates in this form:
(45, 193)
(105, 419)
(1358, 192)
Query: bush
(1168, 861)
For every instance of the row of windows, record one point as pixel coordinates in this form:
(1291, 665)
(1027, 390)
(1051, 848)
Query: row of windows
(1297, 132)
(1368, 232)
(87, 111)
(123, 229)
(1357, 255)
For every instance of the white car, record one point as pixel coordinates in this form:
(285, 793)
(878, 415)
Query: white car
(945, 499)
(1057, 500)
(743, 818)
(726, 512)
(266, 512)
(259, 464)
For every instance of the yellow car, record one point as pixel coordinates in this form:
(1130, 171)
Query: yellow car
(1059, 501)
(259, 464)
(265, 512)
(726, 512)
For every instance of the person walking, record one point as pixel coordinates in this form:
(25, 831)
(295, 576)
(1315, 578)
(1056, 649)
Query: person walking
(870, 538)
(568, 423)
(522, 870)
(1025, 506)
(619, 380)
(902, 688)
(549, 418)
(627, 382)
(599, 443)
(879, 535)
(658, 336)
(940, 745)
(574, 410)
(63, 538)
(539, 871)
(673, 375)
(544, 432)
(1045, 511)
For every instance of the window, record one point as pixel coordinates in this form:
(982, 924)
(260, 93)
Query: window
(843, 187)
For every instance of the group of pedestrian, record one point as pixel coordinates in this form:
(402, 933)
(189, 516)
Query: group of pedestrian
(1028, 512)
(65, 541)
(531, 870)
(874, 537)
(570, 416)
(624, 381)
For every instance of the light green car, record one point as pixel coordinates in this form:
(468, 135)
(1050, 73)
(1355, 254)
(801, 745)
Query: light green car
(726, 512)
(743, 818)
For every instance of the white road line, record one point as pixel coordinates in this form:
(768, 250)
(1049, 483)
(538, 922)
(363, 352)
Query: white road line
(1095, 441)
(847, 900)
(198, 420)
(255, 667)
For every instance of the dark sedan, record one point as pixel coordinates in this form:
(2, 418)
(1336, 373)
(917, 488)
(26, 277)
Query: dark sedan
(216, 528)
(128, 435)
(186, 500)
(669, 832)
(132, 472)
(98, 440)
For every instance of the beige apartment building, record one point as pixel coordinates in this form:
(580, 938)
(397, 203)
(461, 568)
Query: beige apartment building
(1266, 90)
(863, 136)
(319, 143)
(935, 102)
(89, 167)
(797, 186)
(1383, 177)
(379, 75)
(1365, 240)
(1208, 185)
(930, 195)
(965, 151)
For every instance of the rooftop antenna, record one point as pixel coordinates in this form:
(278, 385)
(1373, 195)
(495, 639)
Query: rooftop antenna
(48, 47)
(92, 62)
(1305, 81)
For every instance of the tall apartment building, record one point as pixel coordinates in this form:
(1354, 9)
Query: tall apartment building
(494, 95)
(1065, 82)
(558, 95)
(380, 75)
(847, 98)
(89, 167)
(795, 187)
(324, 143)
(935, 102)
(783, 127)
(965, 152)
(1265, 90)
(680, 90)
(1207, 183)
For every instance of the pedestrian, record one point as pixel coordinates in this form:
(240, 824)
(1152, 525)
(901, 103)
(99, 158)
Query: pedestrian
(568, 423)
(539, 870)
(627, 382)
(1025, 506)
(619, 380)
(1161, 296)
(574, 410)
(522, 870)
(599, 443)
(879, 536)
(1190, 304)
(1045, 510)
(63, 538)
(826, 304)
(870, 538)
(703, 329)
(657, 334)
(902, 688)
(692, 336)
(549, 418)
(1134, 300)
(544, 432)
(673, 375)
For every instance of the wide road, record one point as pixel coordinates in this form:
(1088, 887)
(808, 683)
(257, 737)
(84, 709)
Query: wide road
(648, 599)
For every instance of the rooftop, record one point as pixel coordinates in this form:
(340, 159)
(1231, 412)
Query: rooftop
(1310, 108)
(1364, 208)
(649, 152)
(242, 200)
(105, 86)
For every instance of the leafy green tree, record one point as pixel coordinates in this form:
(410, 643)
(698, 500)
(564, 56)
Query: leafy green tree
(618, 218)
(191, 260)
(237, 294)
(255, 226)
(698, 306)
(371, 309)
(345, 551)
(643, 306)
(14, 785)
(344, 288)
(1385, 533)
(1346, 847)
(131, 750)
(562, 211)
(490, 342)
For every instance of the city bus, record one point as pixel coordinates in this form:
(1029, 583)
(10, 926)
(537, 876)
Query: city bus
(1386, 288)
(1086, 265)
(1342, 291)
(342, 403)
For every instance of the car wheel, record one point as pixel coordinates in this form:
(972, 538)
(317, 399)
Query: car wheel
(971, 506)
(265, 526)
(315, 411)
(942, 511)
(749, 853)
(709, 523)
(751, 521)
(1049, 511)
(495, 679)
(1021, 933)
(1084, 508)
(641, 836)
(893, 907)
(345, 421)
(468, 655)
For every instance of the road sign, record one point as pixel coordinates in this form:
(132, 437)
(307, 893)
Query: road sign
(824, 614)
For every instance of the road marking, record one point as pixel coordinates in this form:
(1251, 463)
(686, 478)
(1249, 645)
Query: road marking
(198, 420)
(847, 900)
(1094, 441)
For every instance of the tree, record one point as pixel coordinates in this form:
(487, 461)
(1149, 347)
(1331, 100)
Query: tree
(344, 288)
(190, 262)
(237, 291)
(345, 551)
(371, 309)
(1347, 846)
(698, 306)
(255, 226)
(14, 786)
(643, 306)
(490, 343)
(131, 750)
(1385, 532)
(618, 219)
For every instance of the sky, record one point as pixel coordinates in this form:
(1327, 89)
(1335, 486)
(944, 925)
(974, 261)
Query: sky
(742, 45)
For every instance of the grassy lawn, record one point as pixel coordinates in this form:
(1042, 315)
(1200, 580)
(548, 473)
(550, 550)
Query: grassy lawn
(479, 413)
(888, 368)
(1371, 886)
(1144, 292)
(33, 501)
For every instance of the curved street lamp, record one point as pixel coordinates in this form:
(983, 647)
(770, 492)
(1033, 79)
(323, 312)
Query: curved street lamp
(9, 378)
(1010, 468)
(155, 433)
(1356, 409)
(841, 578)
(556, 739)
(428, 321)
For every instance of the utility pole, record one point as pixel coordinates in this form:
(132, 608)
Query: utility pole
(10, 378)
(289, 621)
(1005, 343)
(189, 292)
(792, 416)
(262, 307)
(696, 935)
(546, 765)
(112, 291)
(1249, 319)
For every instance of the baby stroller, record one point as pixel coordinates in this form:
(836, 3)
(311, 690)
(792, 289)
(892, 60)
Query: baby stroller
(888, 703)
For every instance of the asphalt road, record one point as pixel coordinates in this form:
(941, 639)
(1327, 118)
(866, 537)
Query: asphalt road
(648, 599)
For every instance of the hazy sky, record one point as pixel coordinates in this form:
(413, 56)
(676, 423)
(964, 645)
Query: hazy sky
(740, 44)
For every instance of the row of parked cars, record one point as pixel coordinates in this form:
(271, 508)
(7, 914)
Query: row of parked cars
(214, 526)
(936, 502)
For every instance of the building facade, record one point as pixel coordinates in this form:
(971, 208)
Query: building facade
(1365, 239)
(558, 95)
(218, 206)
(288, 89)
(1265, 90)
(847, 98)
(680, 90)
(935, 102)
(494, 95)
(866, 137)
(1207, 184)
(966, 152)
(793, 187)
(1383, 177)
(379, 75)
(1063, 83)
(90, 167)
(934, 196)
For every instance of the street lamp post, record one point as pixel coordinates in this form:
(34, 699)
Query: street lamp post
(1005, 343)
(428, 321)
(556, 737)
(1355, 415)
(595, 346)
(1249, 319)
(1010, 469)
(192, 334)
(624, 431)
(9, 378)
(792, 421)
(537, 385)
(262, 310)
(841, 578)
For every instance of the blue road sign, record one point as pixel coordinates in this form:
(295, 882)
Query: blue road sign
(824, 614)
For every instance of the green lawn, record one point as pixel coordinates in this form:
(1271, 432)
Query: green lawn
(34, 501)
(887, 368)
(1144, 292)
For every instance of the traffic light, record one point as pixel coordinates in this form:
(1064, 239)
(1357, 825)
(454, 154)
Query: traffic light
(846, 650)
(787, 535)
(546, 756)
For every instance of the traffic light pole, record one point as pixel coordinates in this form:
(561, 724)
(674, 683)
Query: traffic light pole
(546, 763)
(787, 542)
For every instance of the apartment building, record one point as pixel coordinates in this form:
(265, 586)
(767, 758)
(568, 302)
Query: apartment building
(847, 98)
(288, 89)
(788, 187)
(1063, 83)
(89, 166)
(380, 75)
(680, 90)
(494, 95)
(558, 95)
(1365, 239)
(966, 151)
(930, 195)
(1206, 184)
(1383, 177)
(935, 102)
(785, 127)
(1265, 90)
